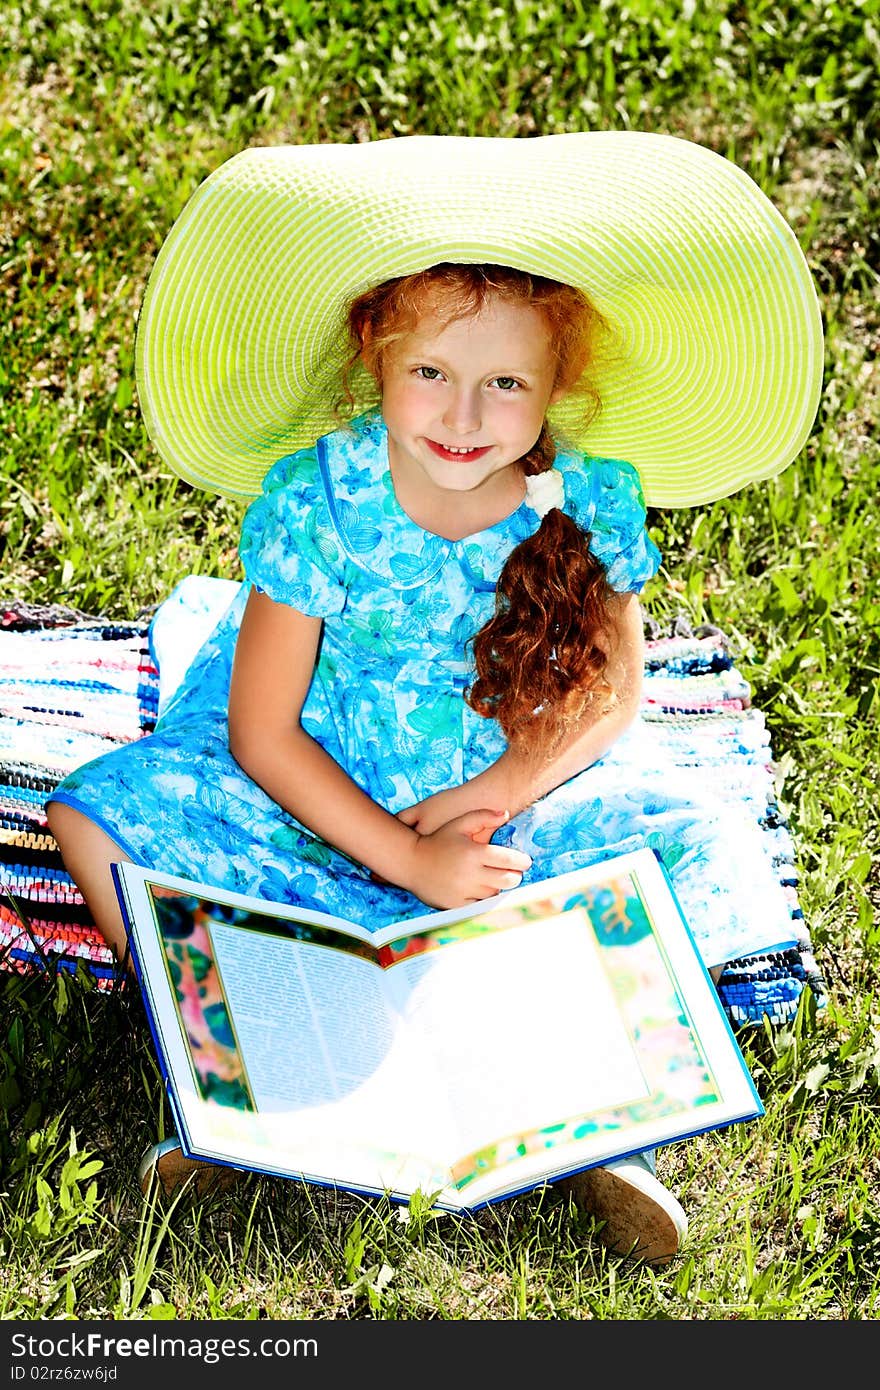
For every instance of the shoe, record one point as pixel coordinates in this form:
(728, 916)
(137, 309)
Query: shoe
(166, 1163)
(639, 1216)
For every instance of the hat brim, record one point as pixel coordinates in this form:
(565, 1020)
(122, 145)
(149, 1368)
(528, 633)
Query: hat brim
(718, 372)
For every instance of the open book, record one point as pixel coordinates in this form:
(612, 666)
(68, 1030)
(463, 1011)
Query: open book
(468, 1055)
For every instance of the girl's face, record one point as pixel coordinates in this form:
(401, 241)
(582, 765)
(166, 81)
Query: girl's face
(464, 401)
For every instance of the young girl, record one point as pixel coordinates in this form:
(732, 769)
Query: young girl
(426, 690)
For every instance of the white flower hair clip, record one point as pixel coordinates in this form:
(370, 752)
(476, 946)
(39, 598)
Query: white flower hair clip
(545, 491)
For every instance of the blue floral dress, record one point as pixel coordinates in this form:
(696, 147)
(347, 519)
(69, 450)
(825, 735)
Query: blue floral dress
(399, 605)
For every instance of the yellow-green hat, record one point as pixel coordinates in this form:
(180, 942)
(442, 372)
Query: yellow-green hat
(717, 381)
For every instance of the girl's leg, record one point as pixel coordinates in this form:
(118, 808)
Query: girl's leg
(88, 852)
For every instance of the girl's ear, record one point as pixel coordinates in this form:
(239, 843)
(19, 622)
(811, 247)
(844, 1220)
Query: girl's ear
(556, 394)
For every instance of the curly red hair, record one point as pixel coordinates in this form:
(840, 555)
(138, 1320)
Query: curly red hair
(540, 660)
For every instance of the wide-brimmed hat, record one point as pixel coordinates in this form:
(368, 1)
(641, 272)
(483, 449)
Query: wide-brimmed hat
(717, 373)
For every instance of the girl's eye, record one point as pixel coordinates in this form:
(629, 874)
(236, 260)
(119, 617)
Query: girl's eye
(506, 383)
(428, 373)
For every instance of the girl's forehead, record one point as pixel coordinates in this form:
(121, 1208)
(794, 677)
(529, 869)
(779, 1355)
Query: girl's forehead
(497, 320)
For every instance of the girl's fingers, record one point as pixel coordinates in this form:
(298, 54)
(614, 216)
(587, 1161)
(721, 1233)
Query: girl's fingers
(508, 880)
(472, 822)
(498, 878)
(498, 857)
(497, 883)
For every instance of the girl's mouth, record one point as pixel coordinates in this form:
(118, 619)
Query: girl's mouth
(457, 455)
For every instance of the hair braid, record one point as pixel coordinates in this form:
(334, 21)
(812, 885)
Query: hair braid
(540, 660)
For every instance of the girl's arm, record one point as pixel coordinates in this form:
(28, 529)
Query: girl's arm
(515, 781)
(273, 667)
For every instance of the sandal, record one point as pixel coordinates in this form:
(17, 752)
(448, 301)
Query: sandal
(639, 1216)
(165, 1162)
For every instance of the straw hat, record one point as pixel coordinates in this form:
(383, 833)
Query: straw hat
(718, 377)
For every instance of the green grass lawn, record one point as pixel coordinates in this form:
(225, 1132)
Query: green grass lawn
(110, 114)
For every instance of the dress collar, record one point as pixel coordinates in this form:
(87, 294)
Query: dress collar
(376, 533)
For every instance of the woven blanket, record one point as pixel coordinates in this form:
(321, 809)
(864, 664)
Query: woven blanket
(73, 686)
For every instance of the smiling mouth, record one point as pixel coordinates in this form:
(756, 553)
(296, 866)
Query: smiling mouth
(446, 451)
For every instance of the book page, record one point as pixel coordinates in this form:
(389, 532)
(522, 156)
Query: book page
(285, 1051)
(523, 1026)
(311, 1023)
(573, 1021)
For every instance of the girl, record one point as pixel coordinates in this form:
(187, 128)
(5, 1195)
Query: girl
(426, 690)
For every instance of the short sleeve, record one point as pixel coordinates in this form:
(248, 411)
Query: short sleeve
(288, 546)
(605, 497)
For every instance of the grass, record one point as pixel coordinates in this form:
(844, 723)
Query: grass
(110, 114)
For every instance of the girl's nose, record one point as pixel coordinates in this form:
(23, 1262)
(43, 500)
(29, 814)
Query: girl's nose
(462, 413)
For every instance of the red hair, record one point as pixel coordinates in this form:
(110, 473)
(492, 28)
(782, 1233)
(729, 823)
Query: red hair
(540, 660)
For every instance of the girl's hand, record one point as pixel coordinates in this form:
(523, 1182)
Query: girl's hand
(455, 864)
(452, 803)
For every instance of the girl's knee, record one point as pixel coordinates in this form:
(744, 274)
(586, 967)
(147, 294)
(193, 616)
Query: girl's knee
(78, 837)
(64, 822)
(88, 851)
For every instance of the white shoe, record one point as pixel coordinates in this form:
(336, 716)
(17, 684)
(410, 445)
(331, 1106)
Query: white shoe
(639, 1216)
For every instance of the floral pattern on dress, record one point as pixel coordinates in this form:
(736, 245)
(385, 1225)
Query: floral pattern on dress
(399, 608)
